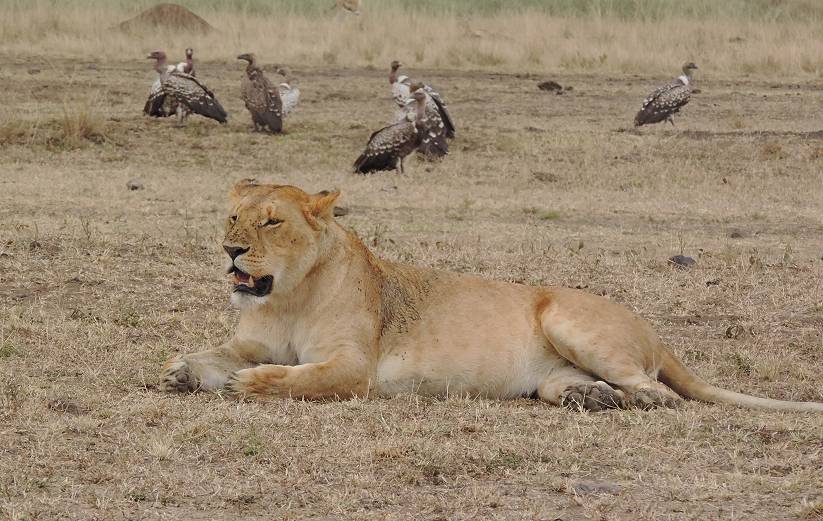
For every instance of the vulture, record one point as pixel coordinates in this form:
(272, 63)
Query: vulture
(433, 143)
(401, 90)
(158, 105)
(261, 97)
(183, 92)
(388, 146)
(289, 92)
(666, 101)
(188, 65)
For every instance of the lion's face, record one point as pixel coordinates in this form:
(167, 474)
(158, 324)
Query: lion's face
(273, 238)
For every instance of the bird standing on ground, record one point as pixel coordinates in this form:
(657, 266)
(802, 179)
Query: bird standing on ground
(666, 101)
(261, 97)
(185, 92)
(289, 91)
(401, 92)
(187, 66)
(158, 105)
(433, 143)
(388, 146)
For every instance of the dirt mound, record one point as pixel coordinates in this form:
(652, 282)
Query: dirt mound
(167, 16)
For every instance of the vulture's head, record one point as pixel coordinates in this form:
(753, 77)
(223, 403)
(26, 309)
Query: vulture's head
(415, 86)
(249, 57)
(688, 67)
(189, 53)
(419, 95)
(395, 65)
(159, 56)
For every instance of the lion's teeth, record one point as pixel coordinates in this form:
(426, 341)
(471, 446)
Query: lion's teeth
(251, 281)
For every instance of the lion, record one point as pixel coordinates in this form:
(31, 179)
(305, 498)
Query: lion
(321, 317)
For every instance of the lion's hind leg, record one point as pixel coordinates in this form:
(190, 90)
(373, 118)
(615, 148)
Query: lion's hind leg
(572, 388)
(608, 341)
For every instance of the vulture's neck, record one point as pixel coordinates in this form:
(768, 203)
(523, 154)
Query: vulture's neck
(421, 112)
(393, 76)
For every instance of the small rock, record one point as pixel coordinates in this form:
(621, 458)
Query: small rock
(389, 188)
(134, 184)
(551, 86)
(92, 66)
(34, 70)
(738, 234)
(340, 211)
(682, 262)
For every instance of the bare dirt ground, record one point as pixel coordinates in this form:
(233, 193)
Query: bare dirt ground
(99, 285)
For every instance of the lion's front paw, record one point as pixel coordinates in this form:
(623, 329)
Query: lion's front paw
(177, 377)
(257, 383)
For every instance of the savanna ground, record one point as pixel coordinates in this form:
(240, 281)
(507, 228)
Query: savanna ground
(100, 284)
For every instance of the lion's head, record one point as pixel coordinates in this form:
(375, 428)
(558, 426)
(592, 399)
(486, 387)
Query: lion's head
(273, 237)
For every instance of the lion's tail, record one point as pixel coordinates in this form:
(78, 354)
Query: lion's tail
(686, 383)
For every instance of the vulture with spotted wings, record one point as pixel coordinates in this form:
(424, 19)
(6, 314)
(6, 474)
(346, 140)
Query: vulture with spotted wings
(666, 101)
(388, 146)
(261, 97)
(184, 92)
(158, 105)
(433, 142)
(401, 91)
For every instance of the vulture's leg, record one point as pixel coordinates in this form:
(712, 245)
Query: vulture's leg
(180, 115)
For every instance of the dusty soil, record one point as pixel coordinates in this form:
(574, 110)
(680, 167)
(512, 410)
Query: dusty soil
(99, 284)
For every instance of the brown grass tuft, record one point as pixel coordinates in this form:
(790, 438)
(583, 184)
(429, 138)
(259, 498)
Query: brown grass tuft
(77, 126)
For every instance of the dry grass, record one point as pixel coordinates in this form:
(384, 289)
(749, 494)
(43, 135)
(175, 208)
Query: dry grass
(98, 285)
(642, 37)
(76, 126)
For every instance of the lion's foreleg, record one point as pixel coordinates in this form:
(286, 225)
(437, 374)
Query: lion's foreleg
(341, 377)
(209, 369)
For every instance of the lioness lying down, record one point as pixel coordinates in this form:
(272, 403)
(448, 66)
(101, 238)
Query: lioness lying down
(321, 317)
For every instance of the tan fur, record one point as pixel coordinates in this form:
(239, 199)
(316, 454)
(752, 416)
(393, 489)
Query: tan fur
(340, 322)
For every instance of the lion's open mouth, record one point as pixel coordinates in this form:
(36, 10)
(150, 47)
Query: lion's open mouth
(245, 283)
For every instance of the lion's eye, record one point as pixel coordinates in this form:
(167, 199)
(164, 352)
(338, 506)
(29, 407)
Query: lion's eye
(273, 222)
(233, 218)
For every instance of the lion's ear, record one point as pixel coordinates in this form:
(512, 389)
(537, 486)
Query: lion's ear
(320, 207)
(240, 188)
(321, 204)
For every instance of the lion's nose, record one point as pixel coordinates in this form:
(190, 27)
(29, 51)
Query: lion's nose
(234, 251)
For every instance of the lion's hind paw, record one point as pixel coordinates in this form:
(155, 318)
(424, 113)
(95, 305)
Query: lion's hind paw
(592, 396)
